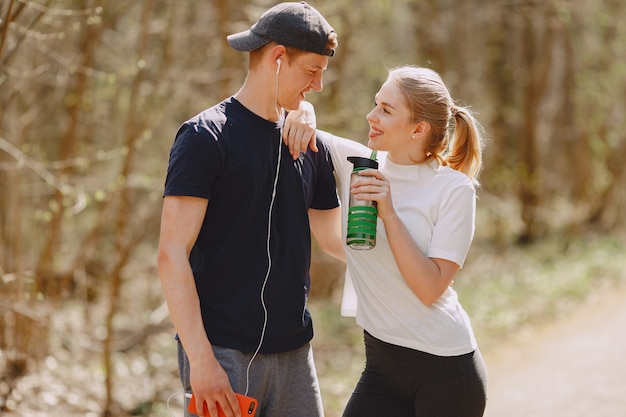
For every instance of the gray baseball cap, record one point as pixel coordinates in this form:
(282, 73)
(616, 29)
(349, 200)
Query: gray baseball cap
(294, 24)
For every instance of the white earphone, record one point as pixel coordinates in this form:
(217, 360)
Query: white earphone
(269, 228)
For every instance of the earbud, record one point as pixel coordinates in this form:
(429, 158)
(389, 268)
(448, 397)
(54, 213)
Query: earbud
(278, 61)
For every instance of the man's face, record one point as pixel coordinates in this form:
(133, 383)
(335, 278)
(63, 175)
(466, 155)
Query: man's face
(299, 74)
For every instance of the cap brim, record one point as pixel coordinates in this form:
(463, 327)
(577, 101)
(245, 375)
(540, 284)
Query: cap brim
(246, 41)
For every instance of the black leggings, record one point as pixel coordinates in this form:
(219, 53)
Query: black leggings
(402, 382)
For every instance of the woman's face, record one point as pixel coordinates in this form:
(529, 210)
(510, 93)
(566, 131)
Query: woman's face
(391, 125)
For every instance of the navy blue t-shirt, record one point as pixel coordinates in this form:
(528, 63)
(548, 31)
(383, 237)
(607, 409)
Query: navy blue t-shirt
(228, 155)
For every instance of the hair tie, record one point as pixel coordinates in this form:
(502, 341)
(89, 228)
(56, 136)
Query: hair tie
(454, 110)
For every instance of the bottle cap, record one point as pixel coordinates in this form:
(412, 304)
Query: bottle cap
(363, 163)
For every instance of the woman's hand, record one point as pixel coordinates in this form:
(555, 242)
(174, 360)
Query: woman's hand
(299, 130)
(374, 186)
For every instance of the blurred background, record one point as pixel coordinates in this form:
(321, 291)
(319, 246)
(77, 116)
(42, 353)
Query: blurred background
(92, 93)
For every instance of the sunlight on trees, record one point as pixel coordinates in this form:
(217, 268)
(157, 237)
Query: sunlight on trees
(92, 93)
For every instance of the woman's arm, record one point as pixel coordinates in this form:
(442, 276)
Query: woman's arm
(427, 277)
(299, 130)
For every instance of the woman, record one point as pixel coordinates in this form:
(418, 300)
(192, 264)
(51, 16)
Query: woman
(421, 355)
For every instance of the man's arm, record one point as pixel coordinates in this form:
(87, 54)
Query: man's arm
(326, 227)
(181, 221)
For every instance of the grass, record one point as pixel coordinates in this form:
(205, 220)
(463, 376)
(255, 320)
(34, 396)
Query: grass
(526, 285)
(503, 293)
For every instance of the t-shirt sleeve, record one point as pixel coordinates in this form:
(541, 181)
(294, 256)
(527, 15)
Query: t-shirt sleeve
(325, 190)
(454, 228)
(194, 163)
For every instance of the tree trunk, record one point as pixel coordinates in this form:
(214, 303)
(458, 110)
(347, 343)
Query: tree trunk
(536, 59)
(134, 127)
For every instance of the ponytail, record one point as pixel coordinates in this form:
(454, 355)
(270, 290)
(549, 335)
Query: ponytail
(466, 146)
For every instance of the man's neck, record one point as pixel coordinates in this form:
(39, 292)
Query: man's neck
(257, 97)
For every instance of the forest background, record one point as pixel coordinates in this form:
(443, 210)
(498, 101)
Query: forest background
(93, 91)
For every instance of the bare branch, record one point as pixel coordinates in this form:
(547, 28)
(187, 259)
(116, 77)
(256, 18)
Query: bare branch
(61, 12)
(37, 168)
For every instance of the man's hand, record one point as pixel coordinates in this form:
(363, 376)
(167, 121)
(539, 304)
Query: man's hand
(211, 386)
(299, 130)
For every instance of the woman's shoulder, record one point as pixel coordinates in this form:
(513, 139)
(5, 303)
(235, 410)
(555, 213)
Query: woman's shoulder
(453, 179)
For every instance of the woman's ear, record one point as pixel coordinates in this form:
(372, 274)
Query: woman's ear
(421, 129)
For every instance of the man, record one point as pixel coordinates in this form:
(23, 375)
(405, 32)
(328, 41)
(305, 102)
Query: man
(234, 249)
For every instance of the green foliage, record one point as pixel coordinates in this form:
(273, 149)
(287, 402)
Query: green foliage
(504, 292)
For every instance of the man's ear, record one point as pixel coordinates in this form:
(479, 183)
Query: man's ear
(278, 52)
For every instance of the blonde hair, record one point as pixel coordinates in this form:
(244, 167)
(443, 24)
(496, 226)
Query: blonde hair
(429, 100)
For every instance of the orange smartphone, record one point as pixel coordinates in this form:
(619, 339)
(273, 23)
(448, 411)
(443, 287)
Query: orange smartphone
(247, 405)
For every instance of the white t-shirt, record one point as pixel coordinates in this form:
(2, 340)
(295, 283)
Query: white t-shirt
(437, 205)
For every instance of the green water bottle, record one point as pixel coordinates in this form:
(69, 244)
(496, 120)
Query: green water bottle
(362, 214)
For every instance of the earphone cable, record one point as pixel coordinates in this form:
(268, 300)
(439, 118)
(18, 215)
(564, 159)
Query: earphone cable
(280, 116)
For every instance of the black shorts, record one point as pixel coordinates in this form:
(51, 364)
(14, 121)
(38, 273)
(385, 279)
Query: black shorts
(403, 382)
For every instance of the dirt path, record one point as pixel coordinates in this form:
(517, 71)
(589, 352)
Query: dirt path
(575, 367)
